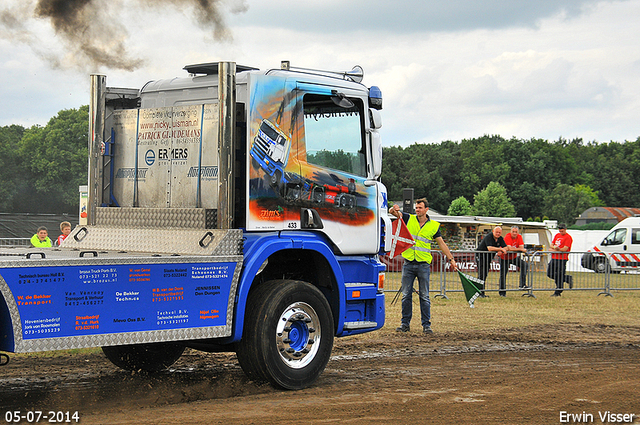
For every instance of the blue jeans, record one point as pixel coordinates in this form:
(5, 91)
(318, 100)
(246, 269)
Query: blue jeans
(504, 268)
(411, 270)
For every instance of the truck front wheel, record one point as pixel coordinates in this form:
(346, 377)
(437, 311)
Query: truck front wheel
(147, 357)
(288, 334)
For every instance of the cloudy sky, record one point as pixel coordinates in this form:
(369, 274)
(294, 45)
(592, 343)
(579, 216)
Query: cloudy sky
(448, 70)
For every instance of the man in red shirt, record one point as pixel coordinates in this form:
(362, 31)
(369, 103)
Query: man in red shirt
(515, 244)
(558, 266)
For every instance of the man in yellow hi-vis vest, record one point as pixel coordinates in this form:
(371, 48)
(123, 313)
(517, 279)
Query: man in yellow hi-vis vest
(417, 262)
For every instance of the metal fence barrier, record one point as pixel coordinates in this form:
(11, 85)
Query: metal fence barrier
(11, 242)
(585, 271)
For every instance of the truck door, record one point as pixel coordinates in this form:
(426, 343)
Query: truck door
(612, 246)
(272, 154)
(333, 163)
(624, 246)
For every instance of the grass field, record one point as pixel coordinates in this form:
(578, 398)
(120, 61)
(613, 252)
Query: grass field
(494, 312)
(539, 280)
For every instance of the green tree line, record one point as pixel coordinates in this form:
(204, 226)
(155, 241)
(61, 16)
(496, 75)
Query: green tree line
(532, 179)
(42, 167)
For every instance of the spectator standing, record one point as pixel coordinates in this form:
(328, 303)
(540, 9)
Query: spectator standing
(490, 245)
(515, 245)
(560, 246)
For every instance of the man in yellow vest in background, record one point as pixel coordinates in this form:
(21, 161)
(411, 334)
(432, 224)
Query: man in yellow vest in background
(417, 262)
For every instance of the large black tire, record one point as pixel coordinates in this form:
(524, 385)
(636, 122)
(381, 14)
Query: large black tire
(144, 357)
(288, 334)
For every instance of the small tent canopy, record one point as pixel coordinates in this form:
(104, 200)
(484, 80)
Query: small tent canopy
(469, 230)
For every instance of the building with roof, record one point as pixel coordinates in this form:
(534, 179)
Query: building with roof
(611, 215)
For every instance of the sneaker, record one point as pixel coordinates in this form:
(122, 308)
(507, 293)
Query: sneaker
(555, 294)
(503, 295)
(427, 330)
(403, 328)
(525, 287)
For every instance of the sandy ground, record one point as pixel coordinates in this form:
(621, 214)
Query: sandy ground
(531, 375)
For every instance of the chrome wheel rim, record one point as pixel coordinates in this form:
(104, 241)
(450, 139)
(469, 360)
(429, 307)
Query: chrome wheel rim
(298, 335)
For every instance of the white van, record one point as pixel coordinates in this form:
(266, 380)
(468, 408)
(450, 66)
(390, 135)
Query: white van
(619, 251)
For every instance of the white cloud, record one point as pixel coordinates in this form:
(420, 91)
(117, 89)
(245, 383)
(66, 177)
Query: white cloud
(409, 16)
(447, 70)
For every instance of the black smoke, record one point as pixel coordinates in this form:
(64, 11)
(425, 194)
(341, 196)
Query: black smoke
(91, 33)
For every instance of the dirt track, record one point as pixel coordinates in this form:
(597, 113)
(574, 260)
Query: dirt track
(525, 375)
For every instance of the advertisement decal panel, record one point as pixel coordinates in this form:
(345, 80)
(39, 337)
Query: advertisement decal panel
(177, 157)
(102, 299)
(184, 155)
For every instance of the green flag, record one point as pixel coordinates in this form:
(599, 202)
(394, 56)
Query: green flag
(472, 287)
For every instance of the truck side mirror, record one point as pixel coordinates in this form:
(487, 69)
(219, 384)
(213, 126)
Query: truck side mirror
(375, 122)
(376, 155)
(375, 119)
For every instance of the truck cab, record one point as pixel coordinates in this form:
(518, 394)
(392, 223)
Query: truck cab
(230, 209)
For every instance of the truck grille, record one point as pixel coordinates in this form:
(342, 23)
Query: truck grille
(260, 147)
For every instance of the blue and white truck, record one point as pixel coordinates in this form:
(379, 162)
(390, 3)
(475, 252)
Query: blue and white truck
(186, 244)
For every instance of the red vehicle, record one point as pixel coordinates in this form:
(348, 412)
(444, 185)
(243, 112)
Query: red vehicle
(340, 195)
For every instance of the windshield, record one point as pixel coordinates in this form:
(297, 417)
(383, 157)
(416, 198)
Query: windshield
(334, 134)
(617, 237)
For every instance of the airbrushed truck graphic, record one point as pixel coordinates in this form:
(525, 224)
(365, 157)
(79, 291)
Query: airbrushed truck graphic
(270, 152)
(192, 242)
